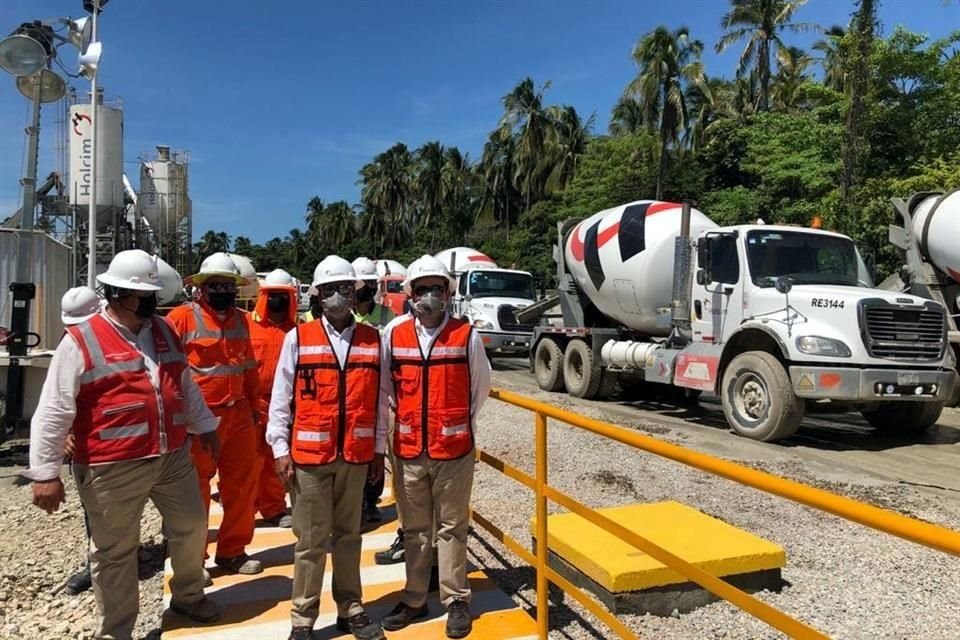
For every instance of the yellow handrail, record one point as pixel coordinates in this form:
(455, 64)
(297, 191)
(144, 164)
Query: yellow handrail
(921, 532)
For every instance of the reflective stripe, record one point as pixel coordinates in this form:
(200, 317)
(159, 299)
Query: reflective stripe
(405, 352)
(201, 330)
(124, 407)
(170, 356)
(115, 433)
(224, 370)
(313, 436)
(180, 419)
(364, 351)
(106, 370)
(404, 428)
(92, 344)
(315, 350)
(454, 429)
(449, 351)
(363, 432)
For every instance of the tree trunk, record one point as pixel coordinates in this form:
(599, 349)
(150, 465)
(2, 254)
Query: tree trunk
(765, 75)
(662, 156)
(859, 75)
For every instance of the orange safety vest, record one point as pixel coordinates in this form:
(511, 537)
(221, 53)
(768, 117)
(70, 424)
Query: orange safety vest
(219, 355)
(433, 392)
(267, 340)
(120, 414)
(335, 408)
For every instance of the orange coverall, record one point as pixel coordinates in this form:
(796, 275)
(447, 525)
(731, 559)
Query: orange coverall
(221, 358)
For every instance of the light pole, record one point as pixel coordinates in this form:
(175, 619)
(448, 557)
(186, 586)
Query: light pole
(92, 216)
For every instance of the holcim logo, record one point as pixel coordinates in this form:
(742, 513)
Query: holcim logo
(83, 183)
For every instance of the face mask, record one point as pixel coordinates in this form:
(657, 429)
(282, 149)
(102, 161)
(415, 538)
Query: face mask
(278, 302)
(366, 294)
(428, 306)
(221, 301)
(146, 307)
(336, 306)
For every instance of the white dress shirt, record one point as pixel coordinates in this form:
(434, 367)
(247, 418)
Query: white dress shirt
(280, 419)
(476, 357)
(58, 399)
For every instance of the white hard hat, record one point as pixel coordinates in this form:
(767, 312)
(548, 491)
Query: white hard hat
(333, 269)
(78, 305)
(217, 264)
(170, 280)
(365, 268)
(423, 267)
(250, 286)
(278, 279)
(133, 269)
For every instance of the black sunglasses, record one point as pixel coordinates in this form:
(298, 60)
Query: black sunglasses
(423, 289)
(221, 287)
(345, 289)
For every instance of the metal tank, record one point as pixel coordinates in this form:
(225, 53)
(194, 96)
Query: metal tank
(109, 192)
(164, 205)
(622, 259)
(463, 258)
(390, 268)
(936, 225)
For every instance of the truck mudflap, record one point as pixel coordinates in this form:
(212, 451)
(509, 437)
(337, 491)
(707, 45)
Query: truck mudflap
(873, 384)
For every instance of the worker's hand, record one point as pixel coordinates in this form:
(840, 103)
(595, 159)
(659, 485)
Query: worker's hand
(69, 446)
(375, 469)
(284, 468)
(49, 494)
(210, 442)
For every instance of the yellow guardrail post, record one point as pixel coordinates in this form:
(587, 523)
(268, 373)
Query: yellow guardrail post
(543, 601)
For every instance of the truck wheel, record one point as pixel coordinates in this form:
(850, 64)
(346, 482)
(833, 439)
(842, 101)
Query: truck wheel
(548, 365)
(582, 373)
(758, 398)
(904, 417)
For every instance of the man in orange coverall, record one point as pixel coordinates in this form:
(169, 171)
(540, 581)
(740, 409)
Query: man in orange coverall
(274, 315)
(216, 337)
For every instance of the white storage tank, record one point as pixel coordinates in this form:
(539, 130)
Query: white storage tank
(109, 193)
(164, 192)
(463, 258)
(391, 268)
(622, 258)
(936, 225)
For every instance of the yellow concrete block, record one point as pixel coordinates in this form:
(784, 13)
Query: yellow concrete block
(706, 542)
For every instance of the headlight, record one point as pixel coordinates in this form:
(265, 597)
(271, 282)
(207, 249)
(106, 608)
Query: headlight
(480, 323)
(819, 346)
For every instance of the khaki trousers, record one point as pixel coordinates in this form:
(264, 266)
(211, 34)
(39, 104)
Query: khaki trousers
(427, 491)
(326, 519)
(114, 496)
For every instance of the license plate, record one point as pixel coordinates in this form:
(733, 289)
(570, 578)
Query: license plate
(906, 377)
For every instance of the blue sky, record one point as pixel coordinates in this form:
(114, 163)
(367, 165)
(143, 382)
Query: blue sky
(279, 100)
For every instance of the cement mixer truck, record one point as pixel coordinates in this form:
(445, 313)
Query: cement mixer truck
(487, 297)
(770, 318)
(930, 239)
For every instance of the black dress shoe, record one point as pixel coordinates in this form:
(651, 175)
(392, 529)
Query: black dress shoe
(301, 633)
(360, 626)
(459, 623)
(79, 582)
(401, 616)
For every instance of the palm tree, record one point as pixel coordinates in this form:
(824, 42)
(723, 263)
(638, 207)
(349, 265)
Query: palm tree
(499, 165)
(760, 23)
(460, 181)
(528, 121)
(212, 242)
(792, 64)
(668, 62)
(296, 242)
(429, 186)
(387, 184)
(568, 144)
(372, 222)
(338, 224)
(626, 118)
(833, 51)
(863, 29)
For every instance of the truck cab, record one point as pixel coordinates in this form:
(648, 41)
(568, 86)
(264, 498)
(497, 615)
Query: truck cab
(781, 316)
(487, 299)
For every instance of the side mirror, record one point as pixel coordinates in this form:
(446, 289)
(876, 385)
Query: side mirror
(704, 273)
(468, 297)
(784, 284)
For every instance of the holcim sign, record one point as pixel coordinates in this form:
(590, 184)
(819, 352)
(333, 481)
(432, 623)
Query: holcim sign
(109, 156)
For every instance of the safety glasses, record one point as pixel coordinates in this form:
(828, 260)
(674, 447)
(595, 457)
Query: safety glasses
(436, 289)
(221, 287)
(344, 289)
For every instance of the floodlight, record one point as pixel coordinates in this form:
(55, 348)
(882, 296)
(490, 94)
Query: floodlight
(52, 86)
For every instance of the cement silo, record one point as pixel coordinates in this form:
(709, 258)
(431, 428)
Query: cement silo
(165, 207)
(109, 190)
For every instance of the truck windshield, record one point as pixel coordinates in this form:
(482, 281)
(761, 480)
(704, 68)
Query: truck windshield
(501, 284)
(808, 258)
(394, 286)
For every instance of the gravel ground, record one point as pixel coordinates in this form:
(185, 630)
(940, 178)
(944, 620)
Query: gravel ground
(38, 553)
(844, 579)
